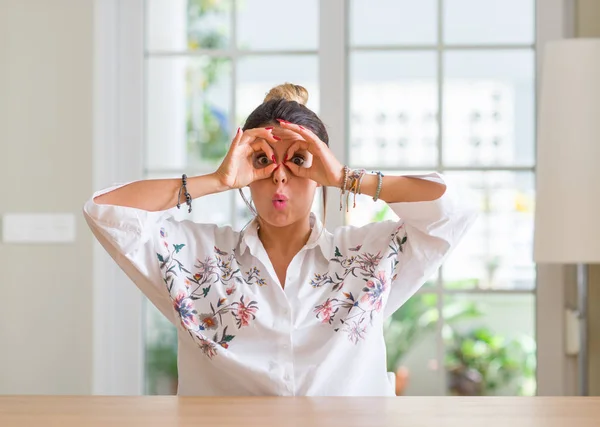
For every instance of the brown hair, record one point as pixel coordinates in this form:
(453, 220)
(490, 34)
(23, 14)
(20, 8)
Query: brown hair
(287, 101)
(288, 91)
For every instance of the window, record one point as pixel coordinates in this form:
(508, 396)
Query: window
(430, 85)
(208, 65)
(452, 88)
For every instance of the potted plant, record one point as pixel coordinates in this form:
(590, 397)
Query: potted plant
(479, 362)
(414, 320)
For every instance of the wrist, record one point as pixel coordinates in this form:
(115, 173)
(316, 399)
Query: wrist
(220, 182)
(338, 180)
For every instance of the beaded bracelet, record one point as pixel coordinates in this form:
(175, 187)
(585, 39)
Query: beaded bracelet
(188, 198)
(379, 184)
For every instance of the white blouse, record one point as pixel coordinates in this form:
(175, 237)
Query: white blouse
(241, 333)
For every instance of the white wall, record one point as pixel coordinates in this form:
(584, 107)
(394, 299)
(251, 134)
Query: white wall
(46, 84)
(46, 166)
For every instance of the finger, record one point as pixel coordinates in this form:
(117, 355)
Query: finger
(304, 132)
(296, 146)
(266, 172)
(259, 145)
(297, 170)
(266, 133)
(237, 137)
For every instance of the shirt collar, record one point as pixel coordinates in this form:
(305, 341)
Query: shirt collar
(319, 236)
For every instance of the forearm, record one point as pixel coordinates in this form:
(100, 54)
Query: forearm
(160, 194)
(397, 189)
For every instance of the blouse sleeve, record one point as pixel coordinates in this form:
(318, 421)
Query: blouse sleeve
(401, 255)
(132, 238)
(425, 235)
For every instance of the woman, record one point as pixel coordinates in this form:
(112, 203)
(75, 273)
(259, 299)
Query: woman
(283, 307)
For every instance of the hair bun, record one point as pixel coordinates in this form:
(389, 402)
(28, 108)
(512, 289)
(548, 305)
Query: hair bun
(289, 92)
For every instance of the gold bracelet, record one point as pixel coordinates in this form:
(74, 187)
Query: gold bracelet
(361, 175)
(353, 190)
(344, 183)
(356, 177)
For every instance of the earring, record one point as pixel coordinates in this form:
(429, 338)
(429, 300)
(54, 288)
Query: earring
(248, 204)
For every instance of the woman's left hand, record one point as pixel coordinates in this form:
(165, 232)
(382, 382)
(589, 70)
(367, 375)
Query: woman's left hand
(325, 168)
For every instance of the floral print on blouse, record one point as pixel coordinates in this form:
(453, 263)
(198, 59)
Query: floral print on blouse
(241, 332)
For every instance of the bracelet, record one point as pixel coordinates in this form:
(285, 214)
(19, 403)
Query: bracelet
(348, 195)
(351, 184)
(188, 198)
(362, 175)
(356, 177)
(379, 184)
(344, 184)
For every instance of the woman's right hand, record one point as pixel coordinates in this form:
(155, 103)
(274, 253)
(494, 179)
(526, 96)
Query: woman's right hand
(250, 158)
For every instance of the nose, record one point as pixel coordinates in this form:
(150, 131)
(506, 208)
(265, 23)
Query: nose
(280, 175)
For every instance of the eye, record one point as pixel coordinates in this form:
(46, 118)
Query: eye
(262, 160)
(298, 160)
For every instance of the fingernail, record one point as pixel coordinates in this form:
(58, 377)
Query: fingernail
(273, 158)
(238, 131)
(285, 159)
(276, 138)
(300, 126)
(282, 121)
(269, 128)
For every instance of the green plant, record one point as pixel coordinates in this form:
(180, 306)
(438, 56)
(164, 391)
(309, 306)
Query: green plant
(161, 356)
(418, 317)
(479, 362)
(207, 125)
(202, 33)
(382, 214)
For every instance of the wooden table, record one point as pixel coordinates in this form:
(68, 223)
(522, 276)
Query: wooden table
(147, 411)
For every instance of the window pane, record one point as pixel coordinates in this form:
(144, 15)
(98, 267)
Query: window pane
(178, 25)
(490, 348)
(213, 209)
(489, 21)
(278, 24)
(489, 108)
(258, 74)
(210, 209)
(160, 352)
(243, 214)
(410, 336)
(367, 211)
(393, 22)
(393, 109)
(497, 252)
(187, 112)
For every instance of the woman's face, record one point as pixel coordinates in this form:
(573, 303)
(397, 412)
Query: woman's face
(283, 198)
